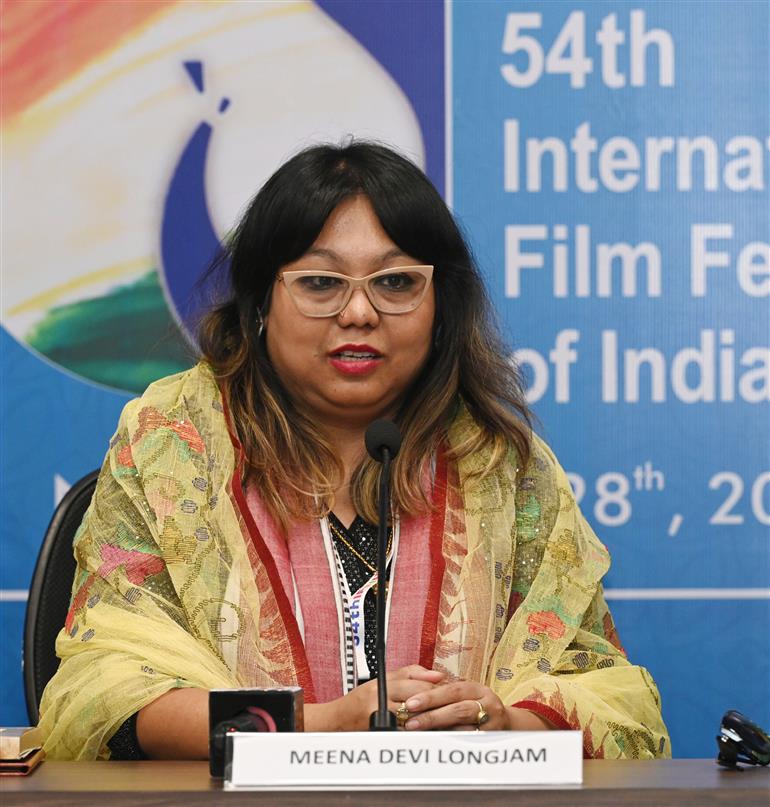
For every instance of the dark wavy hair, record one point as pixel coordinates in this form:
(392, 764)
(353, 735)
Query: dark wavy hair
(291, 462)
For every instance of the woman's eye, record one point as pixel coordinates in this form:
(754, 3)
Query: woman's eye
(319, 283)
(396, 282)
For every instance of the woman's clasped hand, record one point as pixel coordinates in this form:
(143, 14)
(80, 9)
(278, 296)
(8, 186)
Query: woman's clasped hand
(352, 711)
(467, 706)
(431, 701)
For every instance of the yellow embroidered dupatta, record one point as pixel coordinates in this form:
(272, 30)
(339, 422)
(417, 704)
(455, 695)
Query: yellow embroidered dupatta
(176, 587)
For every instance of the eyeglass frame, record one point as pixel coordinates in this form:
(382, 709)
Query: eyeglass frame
(354, 283)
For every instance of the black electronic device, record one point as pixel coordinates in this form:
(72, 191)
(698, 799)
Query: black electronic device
(258, 710)
(740, 740)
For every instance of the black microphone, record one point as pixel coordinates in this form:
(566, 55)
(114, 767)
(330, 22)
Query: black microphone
(382, 436)
(383, 439)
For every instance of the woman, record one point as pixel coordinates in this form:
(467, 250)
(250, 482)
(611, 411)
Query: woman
(230, 542)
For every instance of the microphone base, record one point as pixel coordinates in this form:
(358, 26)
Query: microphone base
(387, 722)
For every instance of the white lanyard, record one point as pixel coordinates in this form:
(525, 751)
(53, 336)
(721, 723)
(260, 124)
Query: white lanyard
(347, 664)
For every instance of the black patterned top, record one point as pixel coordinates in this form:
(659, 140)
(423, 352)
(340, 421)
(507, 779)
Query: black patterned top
(124, 743)
(363, 537)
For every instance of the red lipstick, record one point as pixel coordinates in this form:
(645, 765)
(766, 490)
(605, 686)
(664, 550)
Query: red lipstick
(351, 359)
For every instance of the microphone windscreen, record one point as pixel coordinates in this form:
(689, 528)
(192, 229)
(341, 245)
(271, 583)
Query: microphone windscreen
(382, 434)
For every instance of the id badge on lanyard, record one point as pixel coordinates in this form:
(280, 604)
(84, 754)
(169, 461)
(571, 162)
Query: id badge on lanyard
(357, 615)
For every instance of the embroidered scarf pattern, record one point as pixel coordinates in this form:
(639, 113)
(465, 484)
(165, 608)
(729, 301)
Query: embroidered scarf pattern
(182, 582)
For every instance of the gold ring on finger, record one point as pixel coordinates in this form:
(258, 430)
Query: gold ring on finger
(402, 715)
(483, 714)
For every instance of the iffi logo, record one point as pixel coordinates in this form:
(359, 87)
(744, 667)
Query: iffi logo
(189, 243)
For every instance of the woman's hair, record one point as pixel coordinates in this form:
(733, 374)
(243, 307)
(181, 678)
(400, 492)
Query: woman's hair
(289, 459)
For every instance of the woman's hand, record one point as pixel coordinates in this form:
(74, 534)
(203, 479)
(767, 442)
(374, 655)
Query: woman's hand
(457, 705)
(352, 711)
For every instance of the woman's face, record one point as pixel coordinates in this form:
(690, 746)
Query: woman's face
(313, 357)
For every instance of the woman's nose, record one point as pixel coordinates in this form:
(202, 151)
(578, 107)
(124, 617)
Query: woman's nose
(359, 311)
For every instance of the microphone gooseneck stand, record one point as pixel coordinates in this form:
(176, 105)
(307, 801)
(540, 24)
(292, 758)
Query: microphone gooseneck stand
(383, 440)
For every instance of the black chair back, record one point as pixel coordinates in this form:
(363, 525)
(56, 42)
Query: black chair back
(50, 591)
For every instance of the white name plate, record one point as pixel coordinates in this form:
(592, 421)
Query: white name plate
(378, 760)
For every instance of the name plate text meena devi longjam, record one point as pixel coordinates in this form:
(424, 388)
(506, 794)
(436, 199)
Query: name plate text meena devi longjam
(364, 760)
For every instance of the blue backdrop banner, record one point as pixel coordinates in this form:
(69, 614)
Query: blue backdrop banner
(609, 162)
